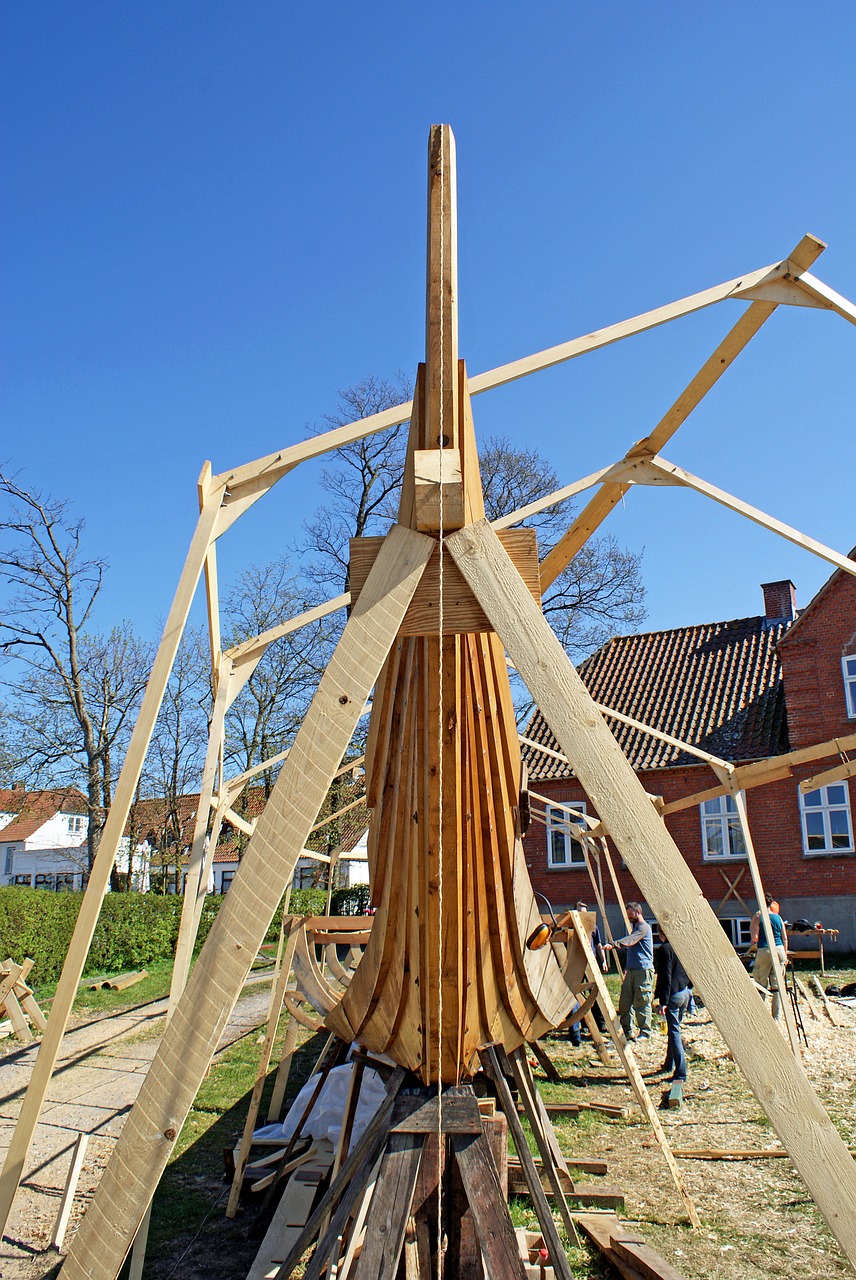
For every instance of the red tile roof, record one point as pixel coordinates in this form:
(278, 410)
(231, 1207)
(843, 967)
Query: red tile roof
(716, 686)
(35, 808)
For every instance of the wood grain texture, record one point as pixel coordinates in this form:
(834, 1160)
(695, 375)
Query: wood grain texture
(461, 611)
(280, 834)
(655, 862)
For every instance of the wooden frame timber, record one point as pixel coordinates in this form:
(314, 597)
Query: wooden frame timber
(776, 1077)
(446, 971)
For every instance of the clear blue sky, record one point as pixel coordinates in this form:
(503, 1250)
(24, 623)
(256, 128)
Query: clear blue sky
(214, 218)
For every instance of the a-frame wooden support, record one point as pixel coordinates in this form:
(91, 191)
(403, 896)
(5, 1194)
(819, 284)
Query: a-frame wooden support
(773, 1073)
(280, 834)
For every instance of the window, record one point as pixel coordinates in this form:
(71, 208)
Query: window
(11, 850)
(849, 667)
(305, 874)
(826, 820)
(739, 930)
(44, 881)
(64, 882)
(24, 880)
(562, 849)
(721, 833)
(75, 824)
(226, 881)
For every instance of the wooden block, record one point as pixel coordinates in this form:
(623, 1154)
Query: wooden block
(587, 1194)
(676, 1094)
(17, 1018)
(431, 492)
(632, 1248)
(461, 610)
(126, 980)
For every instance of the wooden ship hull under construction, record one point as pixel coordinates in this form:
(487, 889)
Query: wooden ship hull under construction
(447, 970)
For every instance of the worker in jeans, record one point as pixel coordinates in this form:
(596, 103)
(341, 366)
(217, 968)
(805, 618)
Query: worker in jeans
(638, 985)
(672, 996)
(763, 970)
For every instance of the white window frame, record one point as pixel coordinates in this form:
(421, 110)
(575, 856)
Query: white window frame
(558, 818)
(826, 808)
(739, 930)
(848, 668)
(75, 824)
(723, 816)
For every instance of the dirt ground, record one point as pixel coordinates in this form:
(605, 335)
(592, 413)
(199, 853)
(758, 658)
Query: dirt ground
(758, 1221)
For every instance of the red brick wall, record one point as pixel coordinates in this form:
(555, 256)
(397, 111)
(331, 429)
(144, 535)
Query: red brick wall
(774, 821)
(811, 665)
(817, 712)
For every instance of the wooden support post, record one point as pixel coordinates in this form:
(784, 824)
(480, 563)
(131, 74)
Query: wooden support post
(754, 871)
(655, 862)
(558, 1257)
(757, 884)
(99, 876)
(634, 1075)
(78, 1155)
(196, 885)
(185, 1051)
(261, 1074)
(545, 1138)
(138, 1248)
(610, 493)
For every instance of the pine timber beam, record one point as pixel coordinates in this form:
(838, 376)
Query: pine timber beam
(246, 483)
(611, 493)
(99, 877)
(841, 771)
(636, 473)
(196, 882)
(171, 1084)
(775, 1076)
(764, 912)
(827, 297)
(761, 772)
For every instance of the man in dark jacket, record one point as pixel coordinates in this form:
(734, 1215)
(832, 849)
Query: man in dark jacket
(672, 995)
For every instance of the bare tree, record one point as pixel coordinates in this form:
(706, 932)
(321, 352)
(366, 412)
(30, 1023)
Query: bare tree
(266, 714)
(601, 591)
(364, 482)
(173, 768)
(74, 691)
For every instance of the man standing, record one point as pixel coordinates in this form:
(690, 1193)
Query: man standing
(763, 969)
(672, 996)
(638, 984)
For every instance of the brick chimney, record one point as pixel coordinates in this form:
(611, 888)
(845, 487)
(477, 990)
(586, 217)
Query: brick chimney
(780, 601)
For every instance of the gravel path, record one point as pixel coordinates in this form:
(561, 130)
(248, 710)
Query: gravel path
(101, 1069)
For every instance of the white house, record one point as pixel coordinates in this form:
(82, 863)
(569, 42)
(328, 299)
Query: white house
(43, 838)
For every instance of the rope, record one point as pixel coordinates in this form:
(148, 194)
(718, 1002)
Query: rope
(440, 691)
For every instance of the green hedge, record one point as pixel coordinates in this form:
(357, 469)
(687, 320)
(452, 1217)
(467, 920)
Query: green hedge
(133, 929)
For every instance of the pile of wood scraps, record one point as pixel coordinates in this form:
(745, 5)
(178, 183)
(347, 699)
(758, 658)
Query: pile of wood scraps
(18, 1005)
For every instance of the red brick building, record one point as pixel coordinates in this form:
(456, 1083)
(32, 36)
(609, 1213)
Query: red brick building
(743, 691)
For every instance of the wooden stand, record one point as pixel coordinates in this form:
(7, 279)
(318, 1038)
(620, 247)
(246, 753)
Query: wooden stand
(417, 1142)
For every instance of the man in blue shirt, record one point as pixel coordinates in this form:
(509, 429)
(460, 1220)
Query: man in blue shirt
(638, 984)
(763, 970)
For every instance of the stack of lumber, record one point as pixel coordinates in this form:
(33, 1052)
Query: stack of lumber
(17, 1003)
